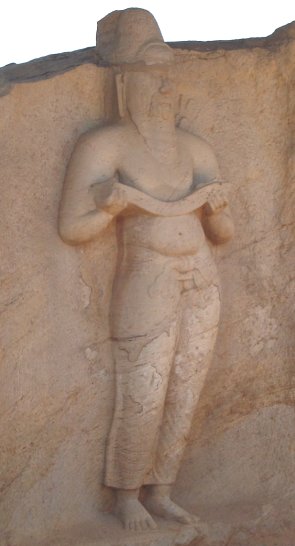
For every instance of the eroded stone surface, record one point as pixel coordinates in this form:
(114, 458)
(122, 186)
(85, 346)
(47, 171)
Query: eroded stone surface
(54, 425)
(162, 188)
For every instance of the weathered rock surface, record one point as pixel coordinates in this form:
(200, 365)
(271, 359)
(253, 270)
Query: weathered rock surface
(57, 383)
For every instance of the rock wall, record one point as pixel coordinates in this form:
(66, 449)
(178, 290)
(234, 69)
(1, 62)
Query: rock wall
(57, 381)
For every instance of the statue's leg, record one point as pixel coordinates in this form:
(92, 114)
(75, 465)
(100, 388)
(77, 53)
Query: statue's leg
(144, 325)
(142, 373)
(199, 324)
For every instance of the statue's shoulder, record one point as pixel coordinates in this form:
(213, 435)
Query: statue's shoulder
(96, 152)
(103, 137)
(201, 152)
(193, 141)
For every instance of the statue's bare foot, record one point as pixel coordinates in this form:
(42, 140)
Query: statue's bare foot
(133, 515)
(163, 506)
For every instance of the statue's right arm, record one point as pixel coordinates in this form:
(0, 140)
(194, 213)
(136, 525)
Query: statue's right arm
(92, 161)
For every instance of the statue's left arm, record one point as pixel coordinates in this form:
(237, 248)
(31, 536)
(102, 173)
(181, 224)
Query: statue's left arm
(216, 217)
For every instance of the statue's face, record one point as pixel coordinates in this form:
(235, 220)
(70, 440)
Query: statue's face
(150, 92)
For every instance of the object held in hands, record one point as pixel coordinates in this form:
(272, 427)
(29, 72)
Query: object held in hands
(114, 197)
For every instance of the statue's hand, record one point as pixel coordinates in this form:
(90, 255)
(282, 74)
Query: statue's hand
(109, 198)
(217, 221)
(216, 202)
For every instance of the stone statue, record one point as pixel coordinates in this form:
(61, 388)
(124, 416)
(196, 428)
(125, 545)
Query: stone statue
(162, 186)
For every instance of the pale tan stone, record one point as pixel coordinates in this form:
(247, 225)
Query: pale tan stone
(162, 186)
(238, 470)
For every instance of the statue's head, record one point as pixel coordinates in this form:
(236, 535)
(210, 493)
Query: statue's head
(131, 42)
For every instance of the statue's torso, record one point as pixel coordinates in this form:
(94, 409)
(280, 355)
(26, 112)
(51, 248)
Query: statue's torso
(161, 178)
(170, 236)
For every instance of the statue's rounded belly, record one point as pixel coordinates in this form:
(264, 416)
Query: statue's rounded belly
(172, 236)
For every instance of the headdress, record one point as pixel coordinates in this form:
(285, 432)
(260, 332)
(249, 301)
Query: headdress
(131, 36)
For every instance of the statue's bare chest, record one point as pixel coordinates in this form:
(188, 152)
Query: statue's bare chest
(156, 176)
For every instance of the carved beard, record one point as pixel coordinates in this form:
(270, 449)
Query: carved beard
(161, 108)
(157, 121)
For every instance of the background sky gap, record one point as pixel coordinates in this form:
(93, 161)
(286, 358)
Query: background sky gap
(31, 28)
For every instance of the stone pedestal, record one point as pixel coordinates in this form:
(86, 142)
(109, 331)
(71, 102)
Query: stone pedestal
(109, 532)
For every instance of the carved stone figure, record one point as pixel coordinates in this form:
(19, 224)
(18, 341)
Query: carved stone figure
(163, 188)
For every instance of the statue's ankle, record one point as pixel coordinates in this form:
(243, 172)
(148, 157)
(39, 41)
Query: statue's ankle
(159, 490)
(123, 495)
